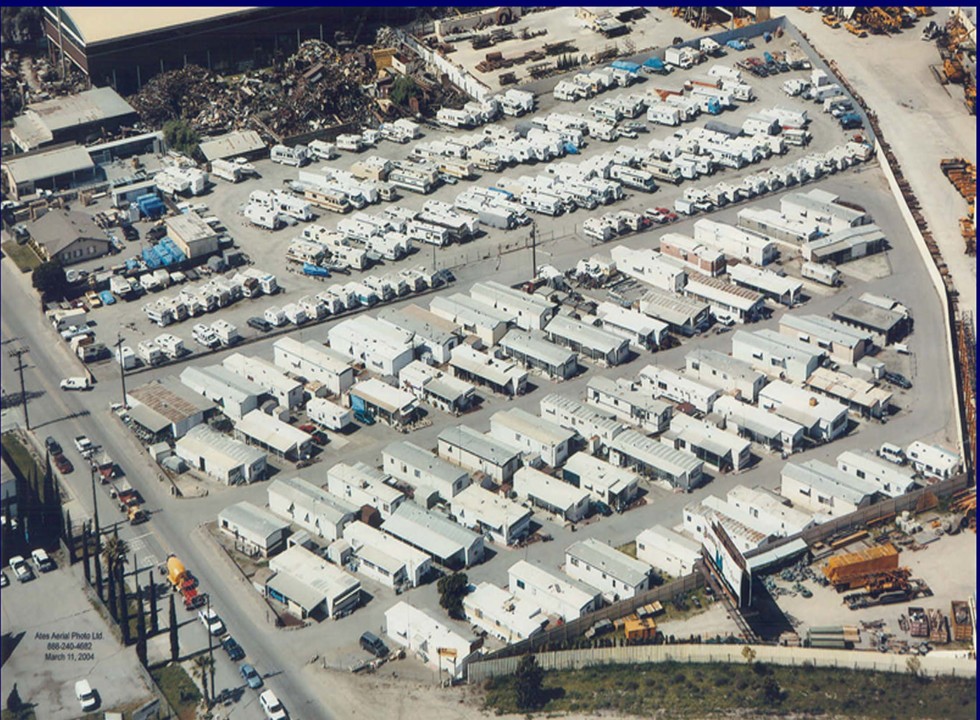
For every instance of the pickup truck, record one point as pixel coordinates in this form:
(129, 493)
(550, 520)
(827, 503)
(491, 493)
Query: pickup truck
(85, 446)
(76, 383)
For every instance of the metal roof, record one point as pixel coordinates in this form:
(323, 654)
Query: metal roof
(765, 279)
(671, 308)
(830, 481)
(655, 453)
(272, 432)
(217, 380)
(313, 499)
(825, 329)
(252, 519)
(42, 119)
(531, 426)
(383, 395)
(421, 322)
(611, 561)
(436, 534)
(203, 441)
(547, 488)
(864, 313)
(239, 142)
(536, 347)
(483, 446)
(588, 336)
(48, 163)
(171, 399)
(733, 367)
(104, 24)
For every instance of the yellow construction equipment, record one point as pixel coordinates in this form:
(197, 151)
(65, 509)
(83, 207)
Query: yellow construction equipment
(831, 21)
(853, 570)
(855, 30)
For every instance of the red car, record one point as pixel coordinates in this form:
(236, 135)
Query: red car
(307, 428)
(63, 464)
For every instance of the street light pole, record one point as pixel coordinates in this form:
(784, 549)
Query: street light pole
(122, 367)
(19, 353)
(534, 250)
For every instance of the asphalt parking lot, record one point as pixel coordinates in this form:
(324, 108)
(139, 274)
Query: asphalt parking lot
(60, 638)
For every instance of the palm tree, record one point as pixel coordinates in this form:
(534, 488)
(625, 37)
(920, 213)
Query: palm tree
(114, 551)
(202, 665)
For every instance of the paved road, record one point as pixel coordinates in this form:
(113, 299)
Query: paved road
(66, 415)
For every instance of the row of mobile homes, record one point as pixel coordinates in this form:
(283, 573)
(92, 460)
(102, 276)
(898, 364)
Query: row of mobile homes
(419, 468)
(628, 402)
(499, 375)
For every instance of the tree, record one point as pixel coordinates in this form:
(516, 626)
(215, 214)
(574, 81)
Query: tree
(749, 654)
(98, 559)
(913, 665)
(113, 592)
(86, 539)
(14, 703)
(114, 551)
(49, 279)
(527, 686)
(154, 619)
(402, 90)
(452, 589)
(203, 663)
(123, 603)
(69, 537)
(180, 136)
(140, 628)
(174, 644)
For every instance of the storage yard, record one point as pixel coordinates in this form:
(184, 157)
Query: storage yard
(670, 301)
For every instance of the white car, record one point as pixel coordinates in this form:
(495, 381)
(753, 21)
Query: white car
(76, 383)
(42, 561)
(22, 571)
(272, 707)
(86, 696)
(211, 621)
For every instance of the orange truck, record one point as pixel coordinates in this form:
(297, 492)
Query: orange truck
(184, 583)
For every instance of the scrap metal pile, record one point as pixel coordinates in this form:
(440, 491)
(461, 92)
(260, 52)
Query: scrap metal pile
(315, 88)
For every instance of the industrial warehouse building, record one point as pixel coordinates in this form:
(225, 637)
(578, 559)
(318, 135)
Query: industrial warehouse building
(310, 586)
(219, 457)
(320, 513)
(419, 468)
(234, 394)
(192, 236)
(369, 543)
(533, 435)
(667, 550)
(59, 168)
(503, 615)
(587, 340)
(440, 648)
(732, 375)
(490, 514)
(83, 118)
(822, 211)
(255, 530)
(567, 502)
(383, 402)
(846, 245)
(558, 595)
(315, 362)
(449, 544)
(501, 376)
(165, 408)
(628, 402)
(824, 489)
(126, 52)
(361, 484)
(479, 453)
(885, 325)
(616, 487)
(535, 353)
(615, 574)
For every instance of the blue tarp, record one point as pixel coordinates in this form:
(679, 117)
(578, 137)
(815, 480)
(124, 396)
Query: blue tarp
(625, 65)
(315, 270)
(653, 62)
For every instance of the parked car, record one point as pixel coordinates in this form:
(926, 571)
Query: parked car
(84, 446)
(212, 621)
(4, 581)
(86, 696)
(374, 645)
(258, 324)
(42, 561)
(63, 464)
(130, 233)
(20, 568)
(250, 676)
(898, 379)
(234, 650)
(52, 446)
(272, 706)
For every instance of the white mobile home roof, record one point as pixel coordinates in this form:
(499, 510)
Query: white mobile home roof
(550, 490)
(830, 481)
(499, 608)
(272, 432)
(487, 367)
(851, 389)
(671, 308)
(755, 419)
(772, 343)
(611, 561)
(203, 441)
(537, 428)
(414, 319)
(600, 473)
(537, 347)
(784, 394)
(765, 279)
(468, 311)
(587, 336)
(825, 329)
(360, 475)
(716, 289)
(417, 457)
(584, 416)
(733, 367)
(435, 534)
(707, 436)
(308, 497)
(359, 533)
(483, 446)
(499, 295)
(252, 518)
(574, 592)
(661, 536)
(820, 203)
(655, 453)
(383, 395)
(631, 320)
(313, 572)
(314, 353)
(490, 508)
(219, 381)
(790, 519)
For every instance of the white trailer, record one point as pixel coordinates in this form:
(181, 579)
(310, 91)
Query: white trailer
(226, 170)
(149, 352)
(261, 216)
(427, 232)
(226, 332)
(296, 156)
(323, 150)
(663, 114)
(328, 415)
(170, 345)
(633, 178)
(295, 313)
(821, 273)
(275, 316)
(595, 229)
(350, 142)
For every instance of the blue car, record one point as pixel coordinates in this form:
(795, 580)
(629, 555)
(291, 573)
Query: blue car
(251, 677)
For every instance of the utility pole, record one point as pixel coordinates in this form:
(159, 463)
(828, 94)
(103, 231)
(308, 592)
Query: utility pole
(534, 250)
(19, 353)
(122, 368)
(210, 650)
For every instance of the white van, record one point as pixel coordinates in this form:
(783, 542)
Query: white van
(892, 453)
(86, 696)
(42, 561)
